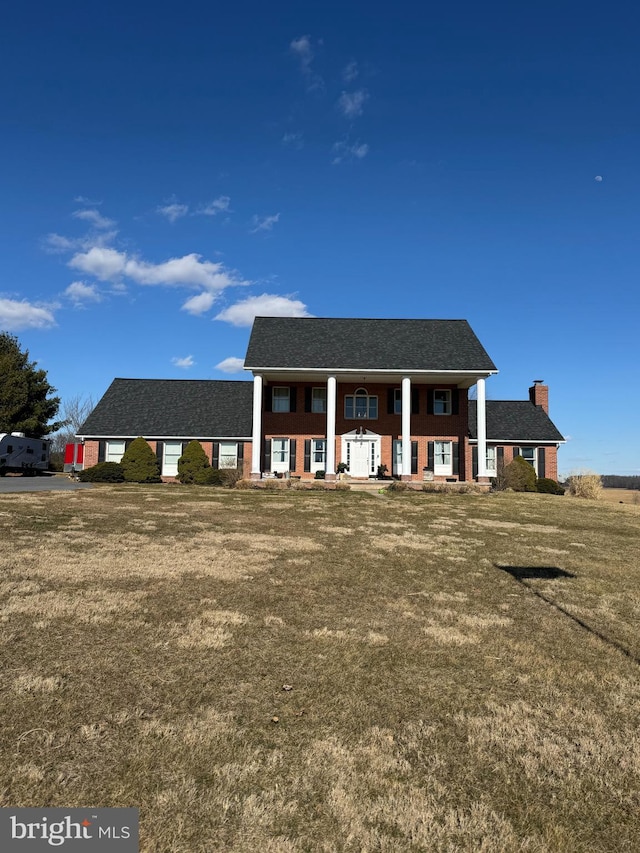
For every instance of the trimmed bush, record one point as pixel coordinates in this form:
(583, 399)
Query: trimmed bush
(520, 475)
(547, 486)
(103, 472)
(192, 465)
(140, 463)
(585, 484)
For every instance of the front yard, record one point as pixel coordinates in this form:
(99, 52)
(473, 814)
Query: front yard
(315, 671)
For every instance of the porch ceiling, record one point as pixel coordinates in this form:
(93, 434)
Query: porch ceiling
(463, 379)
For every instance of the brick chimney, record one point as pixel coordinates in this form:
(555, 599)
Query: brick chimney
(539, 395)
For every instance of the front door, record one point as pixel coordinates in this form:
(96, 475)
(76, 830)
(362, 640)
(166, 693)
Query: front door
(359, 454)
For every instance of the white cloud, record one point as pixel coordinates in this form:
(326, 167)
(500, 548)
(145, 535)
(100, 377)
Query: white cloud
(173, 211)
(350, 71)
(94, 217)
(58, 244)
(15, 316)
(231, 365)
(199, 304)
(293, 140)
(244, 312)
(185, 362)
(344, 151)
(302, 49)
(82, 199)
(598, 178)
(265, 223)
(188, 271)
(218, 205)
(351, 104)
(79, 292)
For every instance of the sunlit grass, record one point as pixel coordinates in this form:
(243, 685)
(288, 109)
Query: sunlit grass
(295, 671)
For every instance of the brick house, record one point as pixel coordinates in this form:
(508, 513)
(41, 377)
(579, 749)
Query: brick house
(367, 393)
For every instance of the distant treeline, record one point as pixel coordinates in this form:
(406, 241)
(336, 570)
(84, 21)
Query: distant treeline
(616, 481)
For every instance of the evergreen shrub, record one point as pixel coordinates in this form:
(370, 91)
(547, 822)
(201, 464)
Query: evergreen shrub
(140, 463)
(548, 486)
(192, 464)
(103, 472)
(520, 475)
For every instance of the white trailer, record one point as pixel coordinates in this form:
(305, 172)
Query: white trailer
(22, 455)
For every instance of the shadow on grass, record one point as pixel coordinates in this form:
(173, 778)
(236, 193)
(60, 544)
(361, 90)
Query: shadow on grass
(522, 574)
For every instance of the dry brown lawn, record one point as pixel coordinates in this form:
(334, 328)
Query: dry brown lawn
(308, 671)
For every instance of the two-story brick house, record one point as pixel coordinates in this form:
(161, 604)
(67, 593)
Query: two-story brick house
(365, 393)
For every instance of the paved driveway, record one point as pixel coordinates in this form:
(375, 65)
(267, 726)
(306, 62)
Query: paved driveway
(45, 483)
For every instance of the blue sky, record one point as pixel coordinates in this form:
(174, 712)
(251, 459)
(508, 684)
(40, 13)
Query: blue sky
(169, 170)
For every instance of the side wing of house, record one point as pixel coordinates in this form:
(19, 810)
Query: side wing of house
(517, 428)
(169, 413)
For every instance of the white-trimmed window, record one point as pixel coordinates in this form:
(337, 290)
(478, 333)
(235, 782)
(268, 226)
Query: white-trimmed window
(397, 401)
(172, 451)
(492, 462)
(279, 454)
(442, 458)
(442, 401)
(319, 401)
(114, 450)
(228, 454)
(280, 399)
(530, 455)
(318, 454)
(360, 405)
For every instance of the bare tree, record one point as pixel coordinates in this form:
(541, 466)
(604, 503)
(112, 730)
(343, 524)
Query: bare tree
(75, 411)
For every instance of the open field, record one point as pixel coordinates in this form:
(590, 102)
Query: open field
(623, 496)
(307, 671)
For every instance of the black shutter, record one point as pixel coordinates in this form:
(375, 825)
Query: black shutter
(415, 402)
(127, 443)
(292, 399)
(430, 460)
(102, 449)
(455, 456)
(292, 454)
(414, 457)
(474, 462)
(240, 447)
(500, 456)
(391, 401)
(455, 401)
(541, 462)
(267, 455)
(307, 454)
(307, 399)
(268, 399)
(215, 455)
(159, 452)
(516, 452)
(430, 393)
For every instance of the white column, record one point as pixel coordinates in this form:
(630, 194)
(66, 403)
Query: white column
(406, 427)
(482, 429)
(256, 439)
(330, 462)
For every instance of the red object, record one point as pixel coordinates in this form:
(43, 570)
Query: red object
(74, 454)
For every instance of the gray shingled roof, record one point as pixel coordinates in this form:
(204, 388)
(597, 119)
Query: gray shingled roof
(514, 420)
(305, 343)
(189, 408)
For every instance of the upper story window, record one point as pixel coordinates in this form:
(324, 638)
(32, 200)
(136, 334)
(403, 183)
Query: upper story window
(397, 401)
(442, 401)
(319, 401)
(360, 405)
(281, 399)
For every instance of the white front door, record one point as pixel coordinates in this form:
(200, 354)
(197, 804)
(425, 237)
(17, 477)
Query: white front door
(361, 452)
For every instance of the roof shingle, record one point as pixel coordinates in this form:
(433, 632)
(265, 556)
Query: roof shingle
(182, 408)
(514, 420)
(342, 343)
